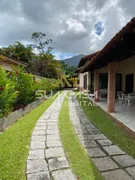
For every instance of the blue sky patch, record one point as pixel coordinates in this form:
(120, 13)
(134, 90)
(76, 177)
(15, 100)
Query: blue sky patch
(99, 28)
(60, 55)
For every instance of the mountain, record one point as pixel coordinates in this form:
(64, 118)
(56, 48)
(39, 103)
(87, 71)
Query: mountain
(73, 61)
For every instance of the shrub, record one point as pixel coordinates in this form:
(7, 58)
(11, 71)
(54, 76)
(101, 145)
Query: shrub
(25, 85)
(48, 85)
(18, 88)
(8, 94)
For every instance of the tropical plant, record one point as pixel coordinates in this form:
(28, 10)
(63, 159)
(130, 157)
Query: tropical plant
(68, 70)
(25, 85)
(8, 94)
(18, 89)
(46, 66)
(18, 51)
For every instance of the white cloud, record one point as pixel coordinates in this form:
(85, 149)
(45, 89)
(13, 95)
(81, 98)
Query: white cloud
(69, 23)
(60, 55)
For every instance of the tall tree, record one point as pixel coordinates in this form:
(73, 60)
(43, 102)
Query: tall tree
(41, 42)
(46, 66)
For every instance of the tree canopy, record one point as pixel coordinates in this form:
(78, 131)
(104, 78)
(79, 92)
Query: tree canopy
(68, 70)
(18, 51)
(42, 63)
(41, 42)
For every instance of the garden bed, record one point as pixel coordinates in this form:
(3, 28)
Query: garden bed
(11, 118)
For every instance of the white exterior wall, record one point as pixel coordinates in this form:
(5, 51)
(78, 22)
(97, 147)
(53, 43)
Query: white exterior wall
(124, 67)
(6, 66)
(81, 80)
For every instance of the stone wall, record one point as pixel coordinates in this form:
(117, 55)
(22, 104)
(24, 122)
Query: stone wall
(14, 116)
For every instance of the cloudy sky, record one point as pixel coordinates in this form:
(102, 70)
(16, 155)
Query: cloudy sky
(76, 26)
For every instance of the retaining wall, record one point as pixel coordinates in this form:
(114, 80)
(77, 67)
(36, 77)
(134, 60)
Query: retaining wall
(14, 116)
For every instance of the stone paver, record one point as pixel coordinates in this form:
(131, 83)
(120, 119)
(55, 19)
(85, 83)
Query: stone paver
(52, 127)
(110, 160)
(52, 132)
(37, 145)
(124, 160)
(95, 152)
(63, 175)
(46, 159)
(98, 137)
(131, 171)
(39, 176)
(84, 137)
(105, 142)
(116, 175)
(58, 163)
(36, 154)
(54, 152)
(38, 128)
(41, 124)
(104, 163)
(38, 138)
(56, 143)
(93, 131)
(114, 150)
(53, 137)
(40, 132)
(34, 166)
(88, 144)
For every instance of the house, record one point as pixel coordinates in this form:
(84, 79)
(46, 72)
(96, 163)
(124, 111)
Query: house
(85, 76)
(7, 63)
(113, 69)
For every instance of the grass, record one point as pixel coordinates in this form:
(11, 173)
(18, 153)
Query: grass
(80, 163)
(14, 144)
(107, 126)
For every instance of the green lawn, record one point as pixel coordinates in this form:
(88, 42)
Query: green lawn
(78, 159)
(14, 144)
(109, 128)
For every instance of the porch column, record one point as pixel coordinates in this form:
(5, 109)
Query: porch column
(89, 79)
(96, 85)
(111, 87)
(81, 82)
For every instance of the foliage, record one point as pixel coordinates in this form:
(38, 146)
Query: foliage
(18, 51)
(7, 93)
(41, 63)
(25, 85)
(41, 41)
(14, 144)
(46, 66)
(68, 70)
(18, 89)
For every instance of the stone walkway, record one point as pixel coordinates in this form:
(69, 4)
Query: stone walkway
(46, 158)
(111, 161)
